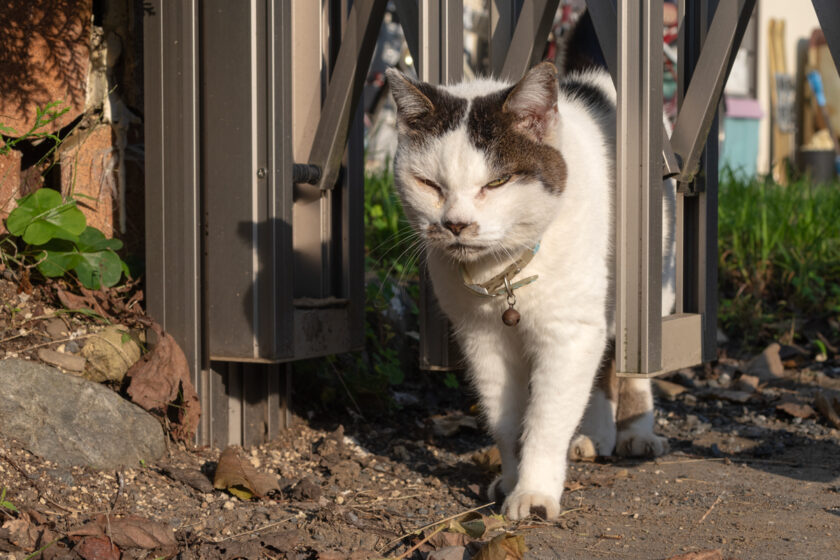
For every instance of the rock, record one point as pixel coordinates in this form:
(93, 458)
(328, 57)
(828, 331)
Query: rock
(726, 395)
(110, 353)
(667, 389)
(746, 383)
(56, 328)
(767, 365)
(64, 361)
(797, 410)
(71, 421)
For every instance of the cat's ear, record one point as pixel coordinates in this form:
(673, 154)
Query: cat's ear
(533, 101)
(412, 104)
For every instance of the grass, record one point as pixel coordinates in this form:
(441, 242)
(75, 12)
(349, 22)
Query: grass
(779, 254)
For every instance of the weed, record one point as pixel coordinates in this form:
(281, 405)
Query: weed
(779, 253)
(6, 504)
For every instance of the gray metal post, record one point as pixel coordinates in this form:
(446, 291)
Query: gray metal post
(440, 60)
(639, 188)
(828, 12)
(529, 37)
(173, 267)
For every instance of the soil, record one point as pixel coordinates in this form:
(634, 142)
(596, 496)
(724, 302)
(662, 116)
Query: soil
(745, 478)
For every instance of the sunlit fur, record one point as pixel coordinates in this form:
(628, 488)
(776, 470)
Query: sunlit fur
(533, 380)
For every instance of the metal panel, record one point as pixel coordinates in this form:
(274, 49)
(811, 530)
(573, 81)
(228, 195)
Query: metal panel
(441, 51)
(699, 103)
(639, 188)
(529, 38)
(828, 12)
(697, 213)
(172, 181)
(503, 15)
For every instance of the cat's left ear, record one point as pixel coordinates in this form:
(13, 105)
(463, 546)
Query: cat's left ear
(533, 101)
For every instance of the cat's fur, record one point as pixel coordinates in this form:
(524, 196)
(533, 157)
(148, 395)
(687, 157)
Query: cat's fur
(556, 140)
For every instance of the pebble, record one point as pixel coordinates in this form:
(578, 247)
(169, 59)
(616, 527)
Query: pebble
(229, 505)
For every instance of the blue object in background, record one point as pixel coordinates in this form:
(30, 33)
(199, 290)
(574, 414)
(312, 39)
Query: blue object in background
(739, 151)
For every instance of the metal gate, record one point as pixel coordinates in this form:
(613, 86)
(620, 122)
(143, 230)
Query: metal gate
(254, 196)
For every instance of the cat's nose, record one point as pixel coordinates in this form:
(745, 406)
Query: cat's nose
(455, 227)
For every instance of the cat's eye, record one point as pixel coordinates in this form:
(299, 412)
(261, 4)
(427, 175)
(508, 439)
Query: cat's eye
(431, 184)
(498, 182)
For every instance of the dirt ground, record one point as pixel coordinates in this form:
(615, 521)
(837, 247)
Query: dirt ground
(751, 473)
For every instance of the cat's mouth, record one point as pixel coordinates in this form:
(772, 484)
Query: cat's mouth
(464, 252)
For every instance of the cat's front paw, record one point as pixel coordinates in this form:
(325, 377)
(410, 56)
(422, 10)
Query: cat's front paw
(641, 443)
(521, 503)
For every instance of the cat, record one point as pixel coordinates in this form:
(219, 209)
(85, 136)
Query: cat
(517, 180)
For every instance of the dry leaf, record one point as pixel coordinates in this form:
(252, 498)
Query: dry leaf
(240, 478)
(21, 533)
(445, 425)
(162, 379)
(129, 532)
(97, 548)
(191, 477)
(489, 459)
(475, 525)
(445, 539)
(506, 546)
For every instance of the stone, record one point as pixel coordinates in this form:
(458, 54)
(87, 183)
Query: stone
(667, 389)
(110, 353)
(46, 47)
(71, 421)
(449, 553)
(88, 161)
(9, 184)
(56, 328)
(61, 360)
(767, 365)
(747, 383)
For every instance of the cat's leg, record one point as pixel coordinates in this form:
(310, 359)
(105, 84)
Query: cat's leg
(597, 434)
(635, 421)
(566, 359)
(500, 378)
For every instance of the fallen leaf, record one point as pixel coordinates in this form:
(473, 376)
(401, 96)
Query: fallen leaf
(506, 546)
(131, 531)
(97, 548)
(445, 539)
(488, 459)
(75, 302)
(240, 478)
(797, 410)
(449, 553)
(160, 380)
(445, 425)
(21, 533)
(191, 477)
(475, 525)
(829, 406)
(700, 555)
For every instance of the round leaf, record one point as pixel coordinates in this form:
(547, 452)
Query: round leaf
(92, 240)
(98, 269)
(56, 263)
(43, 215)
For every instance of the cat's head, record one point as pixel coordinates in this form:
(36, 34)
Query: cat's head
(476, 168)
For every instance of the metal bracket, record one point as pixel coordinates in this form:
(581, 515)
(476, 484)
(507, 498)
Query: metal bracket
(345, 88)
(529, 37)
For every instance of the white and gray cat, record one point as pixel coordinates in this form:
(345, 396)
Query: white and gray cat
(507, 182)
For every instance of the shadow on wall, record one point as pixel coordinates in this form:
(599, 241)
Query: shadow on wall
(44, 57)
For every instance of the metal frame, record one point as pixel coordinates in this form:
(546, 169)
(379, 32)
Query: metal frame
(274, 270)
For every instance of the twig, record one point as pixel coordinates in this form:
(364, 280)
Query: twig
(611, 537)
(58, 341)
(444, 520)
(419, 544)
(708, 511)
(346, 389)
(119, 489)
(269, 526)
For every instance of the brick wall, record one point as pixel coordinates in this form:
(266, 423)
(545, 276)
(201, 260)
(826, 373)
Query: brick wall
(87, 55)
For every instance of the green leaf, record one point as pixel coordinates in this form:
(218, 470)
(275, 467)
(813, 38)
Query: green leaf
(55, 262)
(98, 269)
(43, 215)
(92, 240)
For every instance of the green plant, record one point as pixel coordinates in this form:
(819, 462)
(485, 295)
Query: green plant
(57, 240)
(4, 503)
(779, 252)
